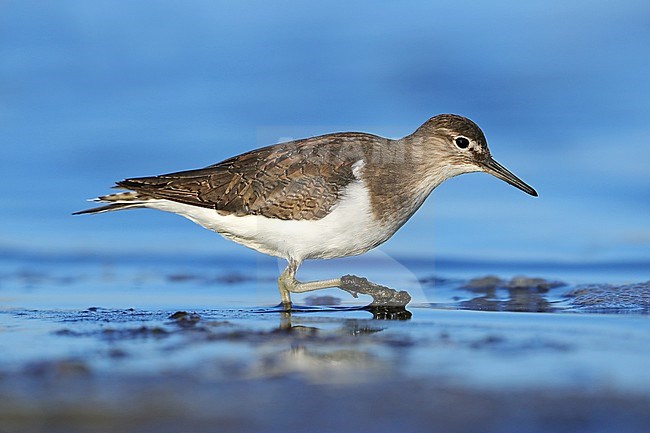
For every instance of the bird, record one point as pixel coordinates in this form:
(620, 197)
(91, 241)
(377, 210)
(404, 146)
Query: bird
(335, 195)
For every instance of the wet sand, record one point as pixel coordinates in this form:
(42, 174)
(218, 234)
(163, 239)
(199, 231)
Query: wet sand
(193, 352)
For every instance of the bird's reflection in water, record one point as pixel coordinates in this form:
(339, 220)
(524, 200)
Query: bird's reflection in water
(318, 348)
(321, 354)
(320, 365)
(349, 326)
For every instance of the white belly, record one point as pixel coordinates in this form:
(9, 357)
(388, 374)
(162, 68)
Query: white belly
(349, 229)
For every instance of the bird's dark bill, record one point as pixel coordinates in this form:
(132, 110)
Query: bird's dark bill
(499, 171)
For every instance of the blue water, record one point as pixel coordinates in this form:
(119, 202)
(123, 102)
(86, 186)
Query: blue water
(93, 92)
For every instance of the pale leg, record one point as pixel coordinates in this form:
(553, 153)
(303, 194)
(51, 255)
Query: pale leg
(287, 284)
(382, 296)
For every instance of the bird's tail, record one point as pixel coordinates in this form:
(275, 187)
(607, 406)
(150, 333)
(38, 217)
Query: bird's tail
(118, 201)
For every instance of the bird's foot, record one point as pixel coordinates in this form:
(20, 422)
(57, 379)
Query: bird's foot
(382, 296)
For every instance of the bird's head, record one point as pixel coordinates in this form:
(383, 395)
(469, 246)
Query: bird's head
(459, 146)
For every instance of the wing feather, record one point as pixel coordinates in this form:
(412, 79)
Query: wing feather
(295, 180)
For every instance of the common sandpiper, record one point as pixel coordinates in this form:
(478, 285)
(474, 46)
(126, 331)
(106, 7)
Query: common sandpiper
(329, 196)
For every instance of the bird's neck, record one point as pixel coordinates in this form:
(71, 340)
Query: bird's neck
(401, 179)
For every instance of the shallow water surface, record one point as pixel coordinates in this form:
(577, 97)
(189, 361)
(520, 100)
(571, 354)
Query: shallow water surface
(132, 344)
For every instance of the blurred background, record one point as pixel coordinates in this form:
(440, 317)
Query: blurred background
(93, 92)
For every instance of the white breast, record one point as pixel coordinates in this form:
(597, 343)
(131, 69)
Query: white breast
(349, 229)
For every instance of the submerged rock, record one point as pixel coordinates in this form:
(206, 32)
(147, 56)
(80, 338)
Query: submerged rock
(520, 282)
(540, 284)
(520, 293)
(611, 298)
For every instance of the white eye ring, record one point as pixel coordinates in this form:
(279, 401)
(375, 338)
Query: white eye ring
(462, 142)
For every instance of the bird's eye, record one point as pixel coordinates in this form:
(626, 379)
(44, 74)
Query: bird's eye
(462, 142)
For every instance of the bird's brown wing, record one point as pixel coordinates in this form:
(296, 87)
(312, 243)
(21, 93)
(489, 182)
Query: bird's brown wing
(298, 180)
